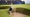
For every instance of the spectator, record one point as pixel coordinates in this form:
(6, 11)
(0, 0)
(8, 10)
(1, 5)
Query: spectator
(4, 2)
(23, 2)
(0, 2)
(8, 2)
(17, 2)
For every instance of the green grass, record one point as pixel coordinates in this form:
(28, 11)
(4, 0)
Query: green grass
(3, 12)
(27, 16)
(27, 6)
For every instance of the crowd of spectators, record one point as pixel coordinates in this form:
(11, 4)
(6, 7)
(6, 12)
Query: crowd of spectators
(13, 2)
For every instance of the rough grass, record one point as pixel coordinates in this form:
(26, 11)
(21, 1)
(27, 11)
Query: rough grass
(23, 10)
(4, 13)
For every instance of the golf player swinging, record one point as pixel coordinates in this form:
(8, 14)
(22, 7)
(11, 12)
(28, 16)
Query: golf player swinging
(11, 10)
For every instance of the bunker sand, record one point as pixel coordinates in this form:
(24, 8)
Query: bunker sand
(18, 15)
